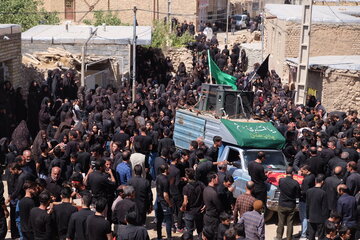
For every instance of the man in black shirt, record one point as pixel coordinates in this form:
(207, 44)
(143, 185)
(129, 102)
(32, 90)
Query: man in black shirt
(330, 187)
(353, 180)
(22, 176)
(84, 157)
(316, 208)
(166, 142)
(205, 166)
(144, 141)
(258, 176)
(213, 152)
(77, 222)
(225, 191)
(25, 205)
(97, 227)
(300, 157)
(4, 213)
(315, 162)
(308, 182)
(174, 178)
(289, 191)
(122, 137)
(62, 213)
(131, 231)
(54, 183)
(124, 206)
(164, 202)
(161, 160)
(213, 205)
(72, 146)
(143, 194)
(40, 220)
(193, 204)
(99, 182)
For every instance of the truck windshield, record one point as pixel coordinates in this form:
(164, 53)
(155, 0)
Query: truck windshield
(273, 160)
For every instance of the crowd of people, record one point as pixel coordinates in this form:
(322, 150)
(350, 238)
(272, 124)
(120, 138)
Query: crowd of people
(82, 164)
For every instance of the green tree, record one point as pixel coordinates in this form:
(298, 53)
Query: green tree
(162, 38)
(27, 13)
(108, 18)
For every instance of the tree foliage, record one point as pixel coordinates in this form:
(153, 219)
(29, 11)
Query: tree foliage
(27, 13)
(162, 37)
(108, 18)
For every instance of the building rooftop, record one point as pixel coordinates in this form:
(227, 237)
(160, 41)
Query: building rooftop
(9, 29)
(320, 14)
(79, 34)
(347, 62)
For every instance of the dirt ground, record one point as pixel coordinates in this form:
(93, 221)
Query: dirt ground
(270, 228)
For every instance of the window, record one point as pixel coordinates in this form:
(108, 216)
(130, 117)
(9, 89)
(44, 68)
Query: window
(69, 3)
(273, 160)
(3, 72)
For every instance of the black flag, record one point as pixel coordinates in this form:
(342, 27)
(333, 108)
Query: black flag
(264, 68)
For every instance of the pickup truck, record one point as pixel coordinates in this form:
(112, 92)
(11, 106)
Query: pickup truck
(242, 140)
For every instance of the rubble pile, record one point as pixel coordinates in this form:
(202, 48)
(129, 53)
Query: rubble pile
(178, 55)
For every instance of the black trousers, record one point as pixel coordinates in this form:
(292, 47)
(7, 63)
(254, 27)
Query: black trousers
(14, 229)
(3, 226)
(314, 228)
(211, 225)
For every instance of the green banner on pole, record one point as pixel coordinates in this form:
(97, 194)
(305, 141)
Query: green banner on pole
(221, 77)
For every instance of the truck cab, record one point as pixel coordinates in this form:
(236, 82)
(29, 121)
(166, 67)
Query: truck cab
(239, 158)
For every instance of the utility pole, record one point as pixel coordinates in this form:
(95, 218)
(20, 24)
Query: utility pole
(168, 15)
(227, 21)
(83, 53)
(302, 70)
(134, 57)
(262, 35)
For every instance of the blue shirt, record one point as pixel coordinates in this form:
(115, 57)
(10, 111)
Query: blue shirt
(123, 170)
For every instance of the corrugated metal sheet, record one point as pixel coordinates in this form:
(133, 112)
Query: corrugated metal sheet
(212, 129)
(188, 127)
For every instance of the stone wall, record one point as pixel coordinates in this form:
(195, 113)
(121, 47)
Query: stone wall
(10, 54)
(341, 90)
(178, 55)
(253, 53)
(282, 41)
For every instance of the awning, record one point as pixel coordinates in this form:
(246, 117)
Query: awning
(255, 135)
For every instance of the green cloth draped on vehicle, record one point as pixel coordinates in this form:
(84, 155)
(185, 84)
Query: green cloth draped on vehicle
(255, 135)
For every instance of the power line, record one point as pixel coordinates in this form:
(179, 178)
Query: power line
(45, 13)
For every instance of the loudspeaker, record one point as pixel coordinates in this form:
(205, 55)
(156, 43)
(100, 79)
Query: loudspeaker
(233, 103)
(209, 96)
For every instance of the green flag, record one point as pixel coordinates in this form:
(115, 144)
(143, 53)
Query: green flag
(221, 77)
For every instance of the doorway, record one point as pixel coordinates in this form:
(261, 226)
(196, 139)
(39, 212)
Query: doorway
(70, 10)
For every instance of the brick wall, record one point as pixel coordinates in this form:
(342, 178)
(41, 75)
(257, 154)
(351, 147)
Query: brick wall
(341, 90)
(84, 9)
(282, 41)
(10, 53)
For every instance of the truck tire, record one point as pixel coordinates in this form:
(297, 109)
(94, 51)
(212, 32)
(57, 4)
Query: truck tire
(268, 215)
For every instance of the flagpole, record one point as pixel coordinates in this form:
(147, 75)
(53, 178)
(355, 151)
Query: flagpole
(208, 53)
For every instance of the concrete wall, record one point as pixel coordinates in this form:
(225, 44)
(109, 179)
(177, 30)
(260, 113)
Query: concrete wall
(10, 54)
(107, 50)
(282, 41)
(341, 90)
